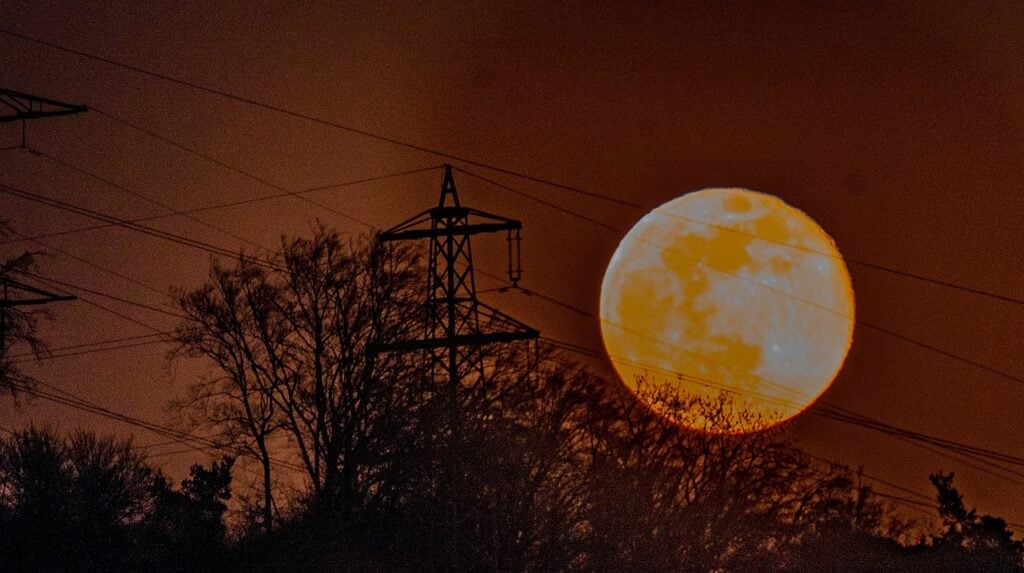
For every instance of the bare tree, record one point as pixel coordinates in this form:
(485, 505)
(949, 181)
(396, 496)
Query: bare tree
(19, 333)
(540, 465)
(661, 496)
(228, 321)
(295, 340)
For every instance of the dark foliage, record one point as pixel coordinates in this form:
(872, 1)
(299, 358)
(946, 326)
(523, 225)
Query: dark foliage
(84, 503)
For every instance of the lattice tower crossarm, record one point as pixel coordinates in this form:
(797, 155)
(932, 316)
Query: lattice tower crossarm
(457, 323)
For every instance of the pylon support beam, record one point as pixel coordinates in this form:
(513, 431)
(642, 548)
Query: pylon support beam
(456, 317)
(43, 295)
(22, 106)
(407, 230)
(513, 331)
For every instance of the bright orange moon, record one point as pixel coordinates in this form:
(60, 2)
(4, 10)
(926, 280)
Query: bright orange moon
(729, 291)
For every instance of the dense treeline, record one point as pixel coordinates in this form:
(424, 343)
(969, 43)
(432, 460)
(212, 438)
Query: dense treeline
(538, 465)
(82, 503)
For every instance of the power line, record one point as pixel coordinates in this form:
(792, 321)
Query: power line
(116, 313)
(839, 414)
(698, 261)
(313, 119)
(247, 174)
(943, 443)
(130, 225)
(934, 507)
(171, 210)
(157, 444)
(848, 260)
(190, 450)
(55, 355)
(76, 350)
(466, 160)
(845, 259)
(104, 295)
(544, 202)
(913, 503)
(988, 467)
(101, 268)
(242, 202)
(160, 337)
(945, 353)
(68, 399)
(928, 501)
(108, 310)
(905, 338)
(833, 412)
(94, 265)
(922, 500)
(85, 348)
(216, 161)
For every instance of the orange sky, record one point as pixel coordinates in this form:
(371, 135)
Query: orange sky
(899, 130)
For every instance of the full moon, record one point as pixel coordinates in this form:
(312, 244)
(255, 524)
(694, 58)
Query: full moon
(730, 297)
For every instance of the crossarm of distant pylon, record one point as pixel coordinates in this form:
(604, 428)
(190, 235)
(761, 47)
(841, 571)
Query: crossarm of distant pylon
(17, 106)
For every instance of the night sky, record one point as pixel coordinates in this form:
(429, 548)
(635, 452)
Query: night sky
(899, 130)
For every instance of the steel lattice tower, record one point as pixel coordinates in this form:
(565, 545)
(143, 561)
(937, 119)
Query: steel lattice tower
(457, 323)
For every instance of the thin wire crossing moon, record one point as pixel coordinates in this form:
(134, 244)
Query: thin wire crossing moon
(716, 304)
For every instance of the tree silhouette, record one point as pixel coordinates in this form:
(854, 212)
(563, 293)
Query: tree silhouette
(186, 526)
(664, 497)
(541, 465)
(853, 531)
(19, 331)
(293, 339)
(86, 503)
(986, 539)
(227, 322)
(70, 503)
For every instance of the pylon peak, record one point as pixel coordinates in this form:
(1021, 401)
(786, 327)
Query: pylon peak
(448, 189)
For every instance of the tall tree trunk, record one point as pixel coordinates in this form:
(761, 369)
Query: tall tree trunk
(268, 499)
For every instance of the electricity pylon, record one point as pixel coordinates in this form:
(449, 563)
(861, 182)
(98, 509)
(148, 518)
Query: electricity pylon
(458, 325)
(17, 106)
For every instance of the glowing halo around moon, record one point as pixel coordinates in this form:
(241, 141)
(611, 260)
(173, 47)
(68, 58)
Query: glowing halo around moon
(729, 292)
